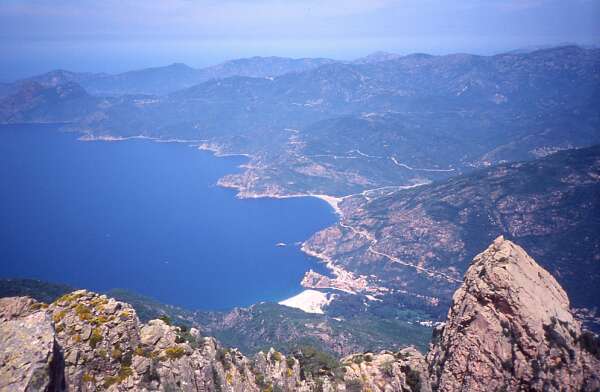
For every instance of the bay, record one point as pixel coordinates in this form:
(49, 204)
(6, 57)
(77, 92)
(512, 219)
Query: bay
(146, 217)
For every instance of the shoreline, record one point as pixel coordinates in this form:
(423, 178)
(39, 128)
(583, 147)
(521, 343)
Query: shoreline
(310, 299)
(88, 137)
(331, 200)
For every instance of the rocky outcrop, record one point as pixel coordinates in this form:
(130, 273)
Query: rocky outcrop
(27, 346)
(405, 370)
(510, 328)
(84, 341)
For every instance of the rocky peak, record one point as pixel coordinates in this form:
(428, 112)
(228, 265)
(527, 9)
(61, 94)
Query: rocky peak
(510, 327)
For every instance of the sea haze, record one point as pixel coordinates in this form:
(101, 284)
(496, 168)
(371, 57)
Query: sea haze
(148, 217)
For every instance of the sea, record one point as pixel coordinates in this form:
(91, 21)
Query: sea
(147, 217)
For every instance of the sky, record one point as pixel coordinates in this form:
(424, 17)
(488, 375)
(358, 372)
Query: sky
(119, 35)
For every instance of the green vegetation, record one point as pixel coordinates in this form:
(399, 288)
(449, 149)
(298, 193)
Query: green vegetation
(276, 356)
(95, 337)
(175, 352)
(184, 336)
(38, 306)
(69, 298)
(314, 362)
(124, 372)
(290, 362)
(83, 312)
(39, 290)
(116, 354)
(58, 316)
(413, 378)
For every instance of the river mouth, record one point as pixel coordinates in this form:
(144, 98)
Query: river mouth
(147, 217)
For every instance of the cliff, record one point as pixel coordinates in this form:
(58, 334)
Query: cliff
(87, 342)
(509, 328)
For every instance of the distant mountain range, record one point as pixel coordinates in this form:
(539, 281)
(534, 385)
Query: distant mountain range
(163, 80)
(341, 128)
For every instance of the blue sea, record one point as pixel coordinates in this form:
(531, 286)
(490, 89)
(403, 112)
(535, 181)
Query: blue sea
(147, 217)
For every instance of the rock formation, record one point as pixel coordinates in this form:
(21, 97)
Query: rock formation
(88, 342)
(509, 329)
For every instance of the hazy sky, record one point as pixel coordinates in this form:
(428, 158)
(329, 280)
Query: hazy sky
(116, 35)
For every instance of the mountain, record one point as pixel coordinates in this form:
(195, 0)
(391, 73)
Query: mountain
(48, 79)
(377, 57)
(157, 80)
(418, 242)
(37, 102)
(510, 327)
(341, 129)
(167, 79)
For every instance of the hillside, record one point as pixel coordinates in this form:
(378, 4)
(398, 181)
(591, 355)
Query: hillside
(418, 242)
(86, 341)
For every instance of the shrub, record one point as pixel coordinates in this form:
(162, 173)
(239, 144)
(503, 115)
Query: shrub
(116, 353)
(84, 313)
(290, 362)
(413, 378)
(276, 356)
(314, 362)
(184, 336)
(166, 319)
(67, 298)
(58, 316)
(95, 337)
(174, 352)
(125, 372)
(358, 359)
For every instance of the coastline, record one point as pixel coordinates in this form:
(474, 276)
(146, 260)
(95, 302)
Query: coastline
(88, 137)
(311, 299)
(331, 200)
